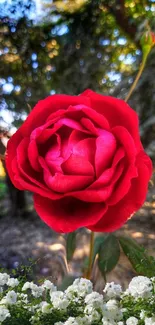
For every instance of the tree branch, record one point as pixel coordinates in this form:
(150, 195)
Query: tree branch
(122, 19)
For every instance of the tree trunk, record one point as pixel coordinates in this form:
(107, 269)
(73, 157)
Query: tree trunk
(17, 198)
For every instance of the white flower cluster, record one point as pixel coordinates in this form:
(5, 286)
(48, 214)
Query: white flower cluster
(78, 304)
(140, 286)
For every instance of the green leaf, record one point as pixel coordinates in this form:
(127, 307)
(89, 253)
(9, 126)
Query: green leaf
(99, 240)
(70, 245)
(66, 282)
(142, 263)
(109, 254)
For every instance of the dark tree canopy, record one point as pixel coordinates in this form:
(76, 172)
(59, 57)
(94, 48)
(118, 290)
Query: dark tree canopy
(68, 46)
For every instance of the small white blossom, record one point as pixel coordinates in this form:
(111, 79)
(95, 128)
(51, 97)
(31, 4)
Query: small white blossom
(89, 306)
(112, 310)
(92, 313)
(22, 297)
(106, 321)
(4, 313)
(11, 297)
(49, 285)
(4, 277)
(142, 314)
(71, 321)
(112, 290)
(153, 282)
(83, 320)
(132, 321)
(94, 299)
(3, 301)
(140, 286)
(26, 286)
(12, 282)
(45, 308)
(80, 287)
(59, 300)
(150, 321)
(34, 319)
(37, 291)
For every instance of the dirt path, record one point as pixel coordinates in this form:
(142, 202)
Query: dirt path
(29, 238)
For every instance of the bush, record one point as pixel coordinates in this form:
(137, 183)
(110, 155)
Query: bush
(28, 303)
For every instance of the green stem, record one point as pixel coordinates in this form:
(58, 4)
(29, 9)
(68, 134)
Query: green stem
(91, 248)
(142, 66)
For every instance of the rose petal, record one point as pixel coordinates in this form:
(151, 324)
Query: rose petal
(38, 131)
(68, 143)
(123, 185)
(53, 166)
(117, 112)
(75, 137)
(33, 155)
(110, 174)
(124, 137)
(44, 108)
(105, 149)
(85, 148)
(130, 170)
(68, 214)
(24, 166)
(65, 183)
(63, 127)
(120, 153)
(54, 151)
(118, 214)
(98, 191)
(52, 157)
(27, 177)
(54, 117)
(92, 114)
(26, 183)
(88, 124)
(76, 165)
(70, 123)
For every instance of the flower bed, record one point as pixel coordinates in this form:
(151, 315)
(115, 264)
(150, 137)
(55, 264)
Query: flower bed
(28, 303)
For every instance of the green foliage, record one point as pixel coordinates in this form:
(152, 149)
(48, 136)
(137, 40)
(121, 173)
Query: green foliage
(66, 282)
(44, 305)
(52, 318)
(99, 240)
(77, 46)
(70, 245)
(3, 188)
(141, 262)
(19, 315)
(134, 307)
(109, 254)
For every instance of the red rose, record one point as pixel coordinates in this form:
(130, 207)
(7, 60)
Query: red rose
(83, 159)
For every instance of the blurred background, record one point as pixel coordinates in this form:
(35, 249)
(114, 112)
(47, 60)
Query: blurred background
(66, 46)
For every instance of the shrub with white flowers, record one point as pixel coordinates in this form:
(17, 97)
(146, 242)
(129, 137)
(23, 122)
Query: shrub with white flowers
(43, 304)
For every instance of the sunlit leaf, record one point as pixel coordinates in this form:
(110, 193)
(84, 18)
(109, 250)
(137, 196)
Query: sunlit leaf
(141, 262)
(97, 244)
(70, 245)
(109, 254)
(67, 281)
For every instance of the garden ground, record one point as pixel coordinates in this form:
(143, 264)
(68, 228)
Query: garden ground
(27, 240)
